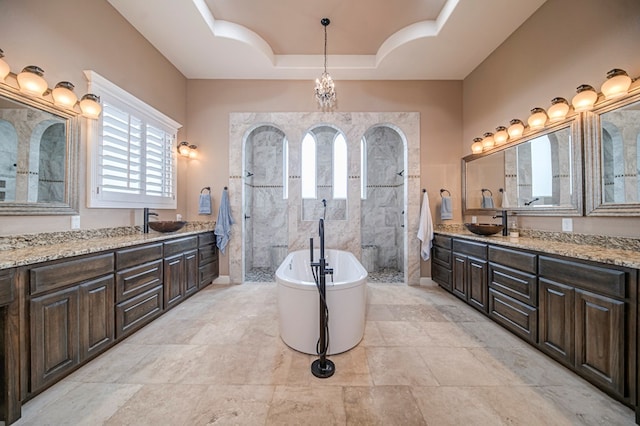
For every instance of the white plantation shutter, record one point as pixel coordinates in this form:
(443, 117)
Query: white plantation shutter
(133, 152)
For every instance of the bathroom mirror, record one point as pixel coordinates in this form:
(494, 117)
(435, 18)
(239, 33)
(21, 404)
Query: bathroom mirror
(539, 175)
(613, 158)
(38, 156)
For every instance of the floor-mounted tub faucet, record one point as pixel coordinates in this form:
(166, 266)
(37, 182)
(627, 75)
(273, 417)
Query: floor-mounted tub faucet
(145, 224)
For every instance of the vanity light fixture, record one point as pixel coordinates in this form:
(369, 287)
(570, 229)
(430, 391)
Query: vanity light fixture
(487, 141)
(516, 128)
(4, 67)
(559, 109)
(187, 150)
(501, 135)
(31, 80)
(476, 147)
(585, 98)
(537, 119)
(90, 106)
(325, 88)
(616, 85)
(63, 95)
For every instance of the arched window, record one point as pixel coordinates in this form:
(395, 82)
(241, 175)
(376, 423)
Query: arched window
(541, 175)
(340, 167)
(308, 173)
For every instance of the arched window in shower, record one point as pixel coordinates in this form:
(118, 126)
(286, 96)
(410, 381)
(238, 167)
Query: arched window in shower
(324, 174)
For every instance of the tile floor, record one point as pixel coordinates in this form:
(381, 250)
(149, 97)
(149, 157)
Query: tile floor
(426, 359)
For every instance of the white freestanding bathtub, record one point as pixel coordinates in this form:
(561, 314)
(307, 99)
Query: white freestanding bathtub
(299, 303)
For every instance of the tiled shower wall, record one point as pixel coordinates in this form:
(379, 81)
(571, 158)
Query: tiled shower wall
(339, 234)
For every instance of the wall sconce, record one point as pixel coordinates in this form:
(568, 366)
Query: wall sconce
(559, 109)
(187, 150)
(30, 80)
(476, 147)
(537, 119)
(501, 135)
(585, 98)
(4, 67)
(516, 128)
(616, 85)
(487, 141)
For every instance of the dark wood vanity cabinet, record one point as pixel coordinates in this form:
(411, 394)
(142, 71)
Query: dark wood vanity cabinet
(207, 259)
(441, 261)
(180, 270)
(71, 315)
(584, 320)
(470, 273)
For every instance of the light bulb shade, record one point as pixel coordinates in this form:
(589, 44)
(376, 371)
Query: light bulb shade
(192, 151)
(516, 128)
(90, 106)
(559, 109)
(31, 81)
(501, 136)
(325, 91)
(183, 148)
(537, 119)
(616, 85)
(476, 147)
(487, 141)
(63, 95)
(4, 67)
(585, 98)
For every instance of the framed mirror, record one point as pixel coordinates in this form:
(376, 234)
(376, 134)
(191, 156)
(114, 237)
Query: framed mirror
(613, 158)
(541, 174)
(38, 156)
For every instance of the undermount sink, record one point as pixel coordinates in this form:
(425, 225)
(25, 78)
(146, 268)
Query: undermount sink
(167, 225)
(484, 228)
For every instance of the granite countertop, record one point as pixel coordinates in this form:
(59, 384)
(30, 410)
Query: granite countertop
(35, 248)
(587, 247)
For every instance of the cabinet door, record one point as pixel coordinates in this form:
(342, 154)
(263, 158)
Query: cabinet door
(599, 339)
(174, 267)
(557, 321)
(460, 276)
(96, 316)
(191, 272)
(477, 286)
(54, 336)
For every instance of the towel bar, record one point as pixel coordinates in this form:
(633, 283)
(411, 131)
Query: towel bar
(445, 190)
(208, 188)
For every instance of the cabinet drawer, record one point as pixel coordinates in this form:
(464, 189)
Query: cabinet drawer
(442, 276)
(6, 287)
(208, 273)
(208, 238)
(523, 261)
(207, 254)
(442, 256)
(136, 280)
(598, 279)
(517, 284)
(129, 257)
(180, 245)
(442, 241)
(137, 311)
(516, 316)
(470, 248)
(58, 275)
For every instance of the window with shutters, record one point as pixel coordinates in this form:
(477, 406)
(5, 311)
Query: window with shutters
(132, 152)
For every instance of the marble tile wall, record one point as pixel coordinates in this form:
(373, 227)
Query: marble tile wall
(621, 156)
(340, 234)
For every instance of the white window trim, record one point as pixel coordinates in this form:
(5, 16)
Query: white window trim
(103, 87)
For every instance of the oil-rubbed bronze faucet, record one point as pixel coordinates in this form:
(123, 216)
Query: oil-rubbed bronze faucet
(145, 225)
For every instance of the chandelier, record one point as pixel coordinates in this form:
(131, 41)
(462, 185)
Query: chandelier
(325, 88)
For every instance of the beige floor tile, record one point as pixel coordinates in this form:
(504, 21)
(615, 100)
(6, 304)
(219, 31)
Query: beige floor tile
(381, 405)
(455, 405)
(419, 313)
(232, 405)
(399, 366)
(300, 405)
(458, 367)
(403, 333)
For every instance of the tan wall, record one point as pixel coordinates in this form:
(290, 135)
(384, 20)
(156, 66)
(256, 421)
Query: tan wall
(65, 37)
(438, 102)
(564, 44)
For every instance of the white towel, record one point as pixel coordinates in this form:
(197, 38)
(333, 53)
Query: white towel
(204, 204)
(487, 202)
(224, 222)
(425, 230)
(505, 200)
(446, 211)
